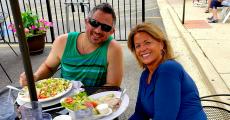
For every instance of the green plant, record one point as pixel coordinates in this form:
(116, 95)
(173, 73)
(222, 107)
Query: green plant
(32, 24)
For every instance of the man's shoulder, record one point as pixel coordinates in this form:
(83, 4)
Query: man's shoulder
(59, 43)
(61, 39)
(114, 50)
(114, 44)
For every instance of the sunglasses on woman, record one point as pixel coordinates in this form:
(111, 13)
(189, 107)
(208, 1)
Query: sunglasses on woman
(96, 24)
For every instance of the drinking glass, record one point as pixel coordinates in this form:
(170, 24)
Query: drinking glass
(85, 114)
(7, 111)
(31, 113)
(46, 116)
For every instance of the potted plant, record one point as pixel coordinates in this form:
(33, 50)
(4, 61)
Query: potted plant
(35, 31)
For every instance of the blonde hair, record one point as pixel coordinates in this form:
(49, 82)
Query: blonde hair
(157, 34)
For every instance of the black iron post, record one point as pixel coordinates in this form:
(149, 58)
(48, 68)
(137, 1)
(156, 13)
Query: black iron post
(143, 10)
(23, 48)
(50, 19)
(183, 12)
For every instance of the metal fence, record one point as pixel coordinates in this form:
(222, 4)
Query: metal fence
(128, 12)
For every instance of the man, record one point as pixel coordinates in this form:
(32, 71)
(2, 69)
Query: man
(93, 57)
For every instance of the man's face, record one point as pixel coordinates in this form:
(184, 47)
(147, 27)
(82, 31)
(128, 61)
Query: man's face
(99, 27)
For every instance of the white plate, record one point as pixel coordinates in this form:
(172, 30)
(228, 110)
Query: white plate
(120, 110)
(48, 103)
(26, 99)
(63, 117)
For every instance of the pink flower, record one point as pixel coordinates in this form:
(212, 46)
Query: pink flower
(11, 26)
(33, 27)
(42, 20)
(42, 28)
(49, 24)
(26, 30)
(14, 30)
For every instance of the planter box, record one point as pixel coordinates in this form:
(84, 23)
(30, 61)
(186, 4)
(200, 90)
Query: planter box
(36, 44)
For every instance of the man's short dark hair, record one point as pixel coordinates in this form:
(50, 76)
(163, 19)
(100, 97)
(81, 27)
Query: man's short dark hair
(104, 7)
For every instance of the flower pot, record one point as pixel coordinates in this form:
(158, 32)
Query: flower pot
(36, 44)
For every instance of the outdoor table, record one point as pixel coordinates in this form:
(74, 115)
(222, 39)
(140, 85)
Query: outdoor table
(56, 112)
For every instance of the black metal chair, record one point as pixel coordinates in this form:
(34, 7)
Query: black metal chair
(217, 107)
(3, 17)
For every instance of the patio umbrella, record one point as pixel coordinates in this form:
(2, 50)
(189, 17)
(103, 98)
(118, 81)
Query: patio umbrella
(24, 49)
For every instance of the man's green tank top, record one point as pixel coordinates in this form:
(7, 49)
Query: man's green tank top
(90, 69)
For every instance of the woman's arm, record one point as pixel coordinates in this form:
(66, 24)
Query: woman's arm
(167, 97)
(139, 112)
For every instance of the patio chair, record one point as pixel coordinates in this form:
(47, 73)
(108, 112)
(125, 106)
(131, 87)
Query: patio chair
(84, 8)
(217, 107)
(6, 73)
(57, 72)
(199, 3)
(225, 13)
(3, 17)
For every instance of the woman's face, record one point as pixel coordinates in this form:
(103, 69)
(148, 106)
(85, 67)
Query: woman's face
(147, 49)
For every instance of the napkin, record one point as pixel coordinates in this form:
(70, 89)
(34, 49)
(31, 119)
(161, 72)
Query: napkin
(77, 86)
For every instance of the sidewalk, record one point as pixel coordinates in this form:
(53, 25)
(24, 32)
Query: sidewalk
(209, 44)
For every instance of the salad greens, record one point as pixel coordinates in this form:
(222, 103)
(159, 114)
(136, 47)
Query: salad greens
(50, 87)
(78, 101)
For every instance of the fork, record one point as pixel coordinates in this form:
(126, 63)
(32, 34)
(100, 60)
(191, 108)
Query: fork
(14, 88)
(123, 91)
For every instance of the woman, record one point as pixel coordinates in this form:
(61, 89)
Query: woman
(213, 6)
(166, 91)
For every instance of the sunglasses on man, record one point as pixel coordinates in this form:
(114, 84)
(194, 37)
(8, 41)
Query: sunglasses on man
(96, 24)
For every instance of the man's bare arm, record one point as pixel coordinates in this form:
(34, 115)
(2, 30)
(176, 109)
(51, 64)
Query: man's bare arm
(115, 64)
(49, 66)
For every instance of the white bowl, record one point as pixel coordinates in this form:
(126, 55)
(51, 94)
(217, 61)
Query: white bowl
(63, 117)
(103, 108)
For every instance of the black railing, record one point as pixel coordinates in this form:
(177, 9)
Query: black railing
(129, 13)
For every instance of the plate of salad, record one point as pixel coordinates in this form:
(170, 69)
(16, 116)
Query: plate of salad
(80, 105)
(47, 89)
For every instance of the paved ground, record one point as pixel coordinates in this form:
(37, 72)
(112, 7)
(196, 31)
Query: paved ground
(208, 44)
(202, 52)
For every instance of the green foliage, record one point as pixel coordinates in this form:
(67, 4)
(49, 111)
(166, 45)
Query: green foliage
(29, 19)
(32, 24)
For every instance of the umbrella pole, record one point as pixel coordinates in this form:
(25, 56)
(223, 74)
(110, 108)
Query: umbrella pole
(24, 49)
